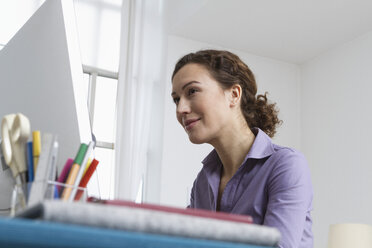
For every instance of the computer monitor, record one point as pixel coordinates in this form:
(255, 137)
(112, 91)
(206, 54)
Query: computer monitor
(41, 76)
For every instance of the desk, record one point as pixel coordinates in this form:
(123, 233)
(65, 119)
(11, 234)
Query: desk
(38, 233)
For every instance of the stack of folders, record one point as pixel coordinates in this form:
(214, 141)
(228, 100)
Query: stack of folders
(156, 219)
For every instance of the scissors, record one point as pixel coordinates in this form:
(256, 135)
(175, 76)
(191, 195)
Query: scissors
(15, 130)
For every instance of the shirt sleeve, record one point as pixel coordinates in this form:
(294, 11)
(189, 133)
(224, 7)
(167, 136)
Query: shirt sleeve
(289, 197)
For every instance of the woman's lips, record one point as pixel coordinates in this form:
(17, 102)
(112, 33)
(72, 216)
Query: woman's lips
(189, 124)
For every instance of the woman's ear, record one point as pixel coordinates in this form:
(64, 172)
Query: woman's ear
(235, 95)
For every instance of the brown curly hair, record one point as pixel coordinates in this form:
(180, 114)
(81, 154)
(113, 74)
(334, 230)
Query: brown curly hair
(228, 69)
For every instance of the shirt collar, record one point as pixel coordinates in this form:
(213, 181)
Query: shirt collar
(212, 162)
(262, 147)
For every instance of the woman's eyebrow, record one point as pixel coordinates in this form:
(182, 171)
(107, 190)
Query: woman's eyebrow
(183, 87)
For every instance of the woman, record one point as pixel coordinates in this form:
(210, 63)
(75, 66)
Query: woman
(215, 97)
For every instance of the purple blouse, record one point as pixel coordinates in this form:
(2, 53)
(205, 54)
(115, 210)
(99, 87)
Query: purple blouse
(272, 185)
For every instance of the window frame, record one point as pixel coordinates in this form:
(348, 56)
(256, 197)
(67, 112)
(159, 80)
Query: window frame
(93, 73)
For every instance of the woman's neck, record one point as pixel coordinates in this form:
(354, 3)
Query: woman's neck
(233, 147)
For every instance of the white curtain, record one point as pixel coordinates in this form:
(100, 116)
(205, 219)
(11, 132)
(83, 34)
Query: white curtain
(141, 69)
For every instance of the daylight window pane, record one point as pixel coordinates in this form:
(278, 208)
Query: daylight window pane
(87, 22)
(98, 26)
(109, 40)
(114, 2)
(104, 109)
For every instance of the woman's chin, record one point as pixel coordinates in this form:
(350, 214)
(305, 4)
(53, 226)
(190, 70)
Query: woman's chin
(196, 140)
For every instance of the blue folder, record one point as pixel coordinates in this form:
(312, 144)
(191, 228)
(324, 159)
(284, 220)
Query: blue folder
(28, 233)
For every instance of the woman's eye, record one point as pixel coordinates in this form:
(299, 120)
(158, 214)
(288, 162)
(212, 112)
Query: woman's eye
(192, 91)
(176, 100)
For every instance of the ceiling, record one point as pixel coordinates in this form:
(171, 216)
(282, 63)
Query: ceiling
(294, 31)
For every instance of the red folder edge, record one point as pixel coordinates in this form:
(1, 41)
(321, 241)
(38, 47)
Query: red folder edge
(189, 211)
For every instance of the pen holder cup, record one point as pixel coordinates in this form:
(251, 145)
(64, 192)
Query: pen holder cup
(44, 190)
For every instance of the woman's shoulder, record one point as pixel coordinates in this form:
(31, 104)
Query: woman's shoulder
(288, 164)
(287, 154)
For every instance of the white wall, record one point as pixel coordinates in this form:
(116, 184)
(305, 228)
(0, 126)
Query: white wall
(181, 158)
(337, 132)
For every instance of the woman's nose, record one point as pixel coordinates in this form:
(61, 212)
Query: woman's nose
(183, 107)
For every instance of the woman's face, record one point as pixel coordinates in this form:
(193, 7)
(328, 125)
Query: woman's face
(203, 107)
